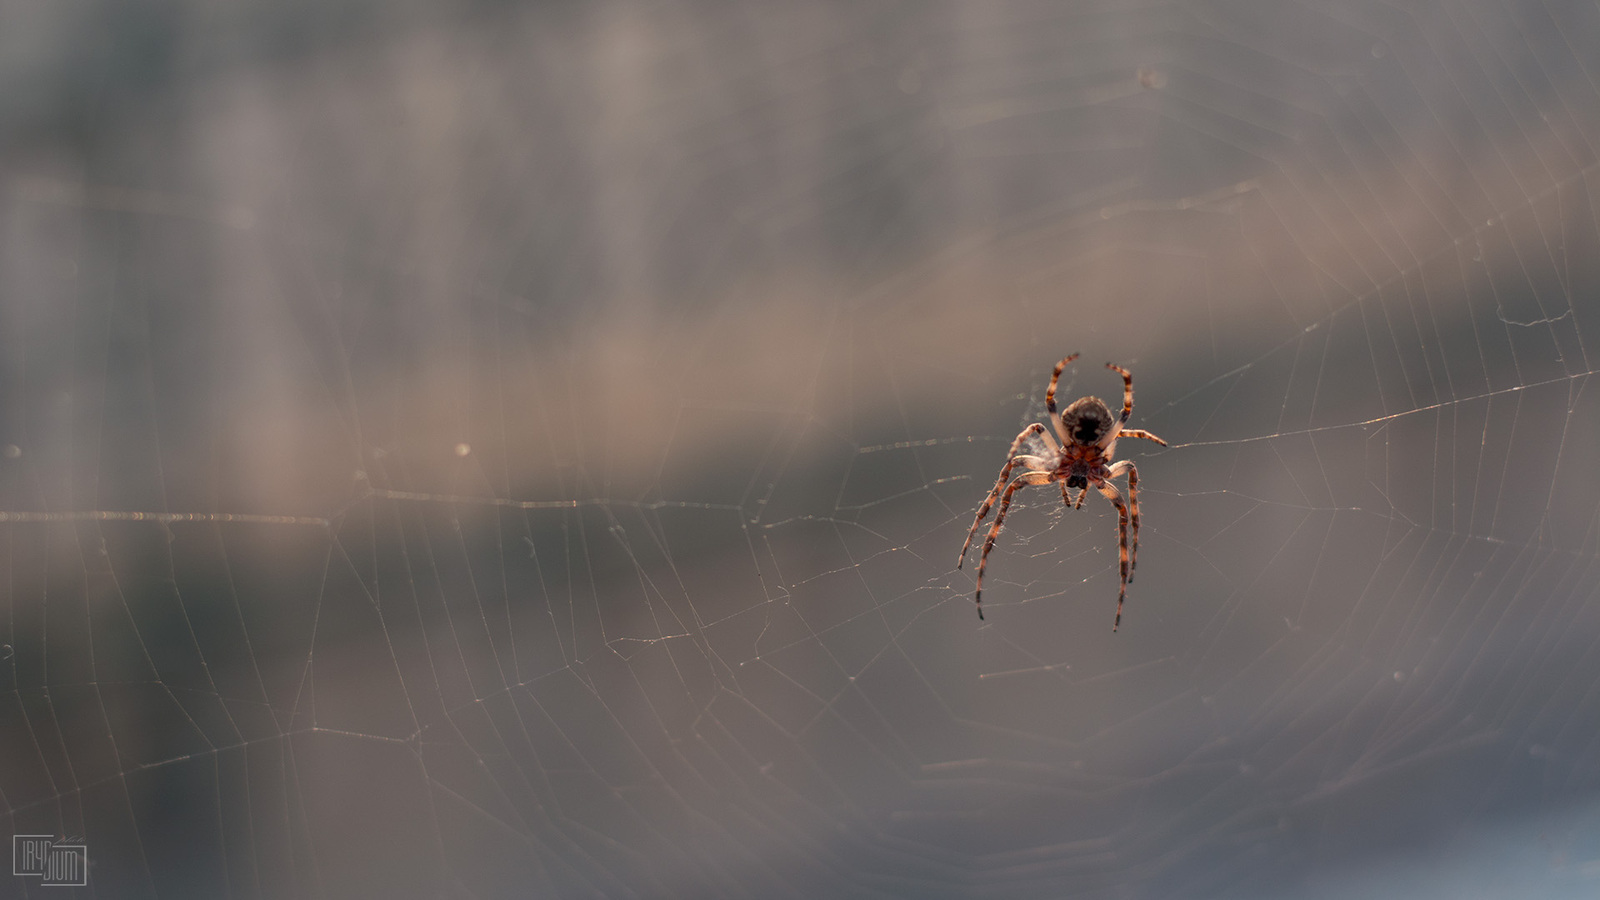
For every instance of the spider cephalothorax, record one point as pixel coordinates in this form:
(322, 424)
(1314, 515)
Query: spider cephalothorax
(1082, 460)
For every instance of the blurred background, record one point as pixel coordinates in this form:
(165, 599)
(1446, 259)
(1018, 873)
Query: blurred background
(485, 449)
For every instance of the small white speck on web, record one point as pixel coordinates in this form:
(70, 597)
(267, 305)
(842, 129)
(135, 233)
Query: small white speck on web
(463, 449)
(10, 451)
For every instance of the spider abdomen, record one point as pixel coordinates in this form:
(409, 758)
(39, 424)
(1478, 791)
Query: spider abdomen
(1086, 420)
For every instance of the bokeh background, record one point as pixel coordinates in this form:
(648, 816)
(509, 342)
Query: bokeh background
(491, 449)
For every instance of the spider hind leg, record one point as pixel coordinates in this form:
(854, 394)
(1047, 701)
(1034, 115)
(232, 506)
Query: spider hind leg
(1132, 471)
(1012, 459)
(1115, 496)
(994, 530)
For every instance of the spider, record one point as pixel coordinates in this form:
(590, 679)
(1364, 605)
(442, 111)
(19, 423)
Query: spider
(1082, 460)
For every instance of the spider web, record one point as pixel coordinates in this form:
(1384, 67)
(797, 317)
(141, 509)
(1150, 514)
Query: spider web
(476, 452)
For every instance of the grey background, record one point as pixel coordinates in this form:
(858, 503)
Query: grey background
(554, 426)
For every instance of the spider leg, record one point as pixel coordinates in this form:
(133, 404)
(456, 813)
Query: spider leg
(1005, 472)
(994, 531)
(1115, 496)
(1141, 433)
(1050, 397)
(1116, 469)
(1127, 390)
(1109, 439)
(1029, 462)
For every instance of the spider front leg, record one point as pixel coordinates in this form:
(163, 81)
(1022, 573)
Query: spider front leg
(1005, 472)
(1127, 391)
(1050, 397)
(1115, 496)
(994, 532)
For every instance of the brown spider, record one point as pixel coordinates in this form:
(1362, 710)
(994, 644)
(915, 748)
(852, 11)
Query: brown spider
(1082, 460)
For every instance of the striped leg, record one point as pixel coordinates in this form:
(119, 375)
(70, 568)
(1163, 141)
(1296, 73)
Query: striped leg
(994, 531)
(1050, 397)
(1005, 472)
(1140, 433)
(1127, 467)
(1133, 516)
(1127, 390)
(1115, 496)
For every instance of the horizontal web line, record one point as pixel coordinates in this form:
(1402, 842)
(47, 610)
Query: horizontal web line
(1440, 405)
(114, 515)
